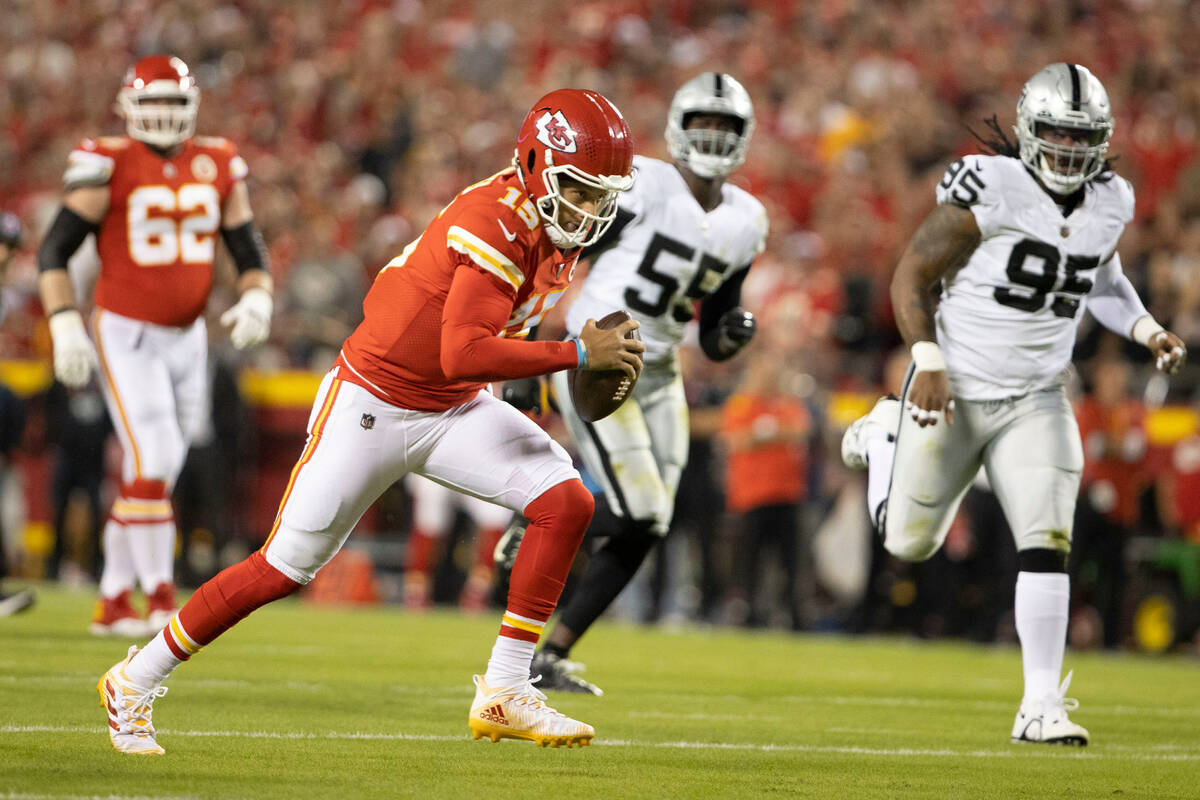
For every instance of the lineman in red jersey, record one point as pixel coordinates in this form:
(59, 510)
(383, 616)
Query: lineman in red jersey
(155, 200)
(408, 394)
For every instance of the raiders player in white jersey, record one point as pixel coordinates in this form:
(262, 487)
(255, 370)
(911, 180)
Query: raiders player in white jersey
(1020, 244)
(682, 234)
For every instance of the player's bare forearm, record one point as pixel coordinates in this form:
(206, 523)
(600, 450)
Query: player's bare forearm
(255, 279)
(941, 245)
(56, 291)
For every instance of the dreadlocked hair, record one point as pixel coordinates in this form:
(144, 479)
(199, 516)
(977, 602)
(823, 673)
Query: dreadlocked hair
(997, 143)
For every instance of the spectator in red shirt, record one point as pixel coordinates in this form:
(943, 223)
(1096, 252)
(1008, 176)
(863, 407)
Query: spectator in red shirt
(765, 430)
(1112, 427)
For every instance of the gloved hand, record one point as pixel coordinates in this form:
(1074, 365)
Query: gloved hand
(74, 355)
(523, 394)
(736, 328)
(250, 318)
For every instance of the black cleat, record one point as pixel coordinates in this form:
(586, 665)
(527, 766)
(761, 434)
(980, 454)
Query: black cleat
(559, 675)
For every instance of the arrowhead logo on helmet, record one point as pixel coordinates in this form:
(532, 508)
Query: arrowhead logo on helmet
(578, 135)
(554, 131)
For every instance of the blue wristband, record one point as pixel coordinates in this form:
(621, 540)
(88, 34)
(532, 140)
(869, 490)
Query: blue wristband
(581, 353)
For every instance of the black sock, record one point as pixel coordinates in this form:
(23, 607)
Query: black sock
(555, 650)
(608, 572)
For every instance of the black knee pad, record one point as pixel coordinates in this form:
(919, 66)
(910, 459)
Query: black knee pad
(1041, 559)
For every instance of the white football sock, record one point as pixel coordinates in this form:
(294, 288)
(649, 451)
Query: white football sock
(153, 663)
(153, 549)
(881, 452)
(509, 664)
(1042, 605)
(118, 573)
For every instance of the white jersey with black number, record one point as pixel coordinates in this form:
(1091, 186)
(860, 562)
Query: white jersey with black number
(669, 255)
(1006, 321)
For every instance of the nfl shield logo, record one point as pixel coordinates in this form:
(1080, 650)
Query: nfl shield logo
(367, 421)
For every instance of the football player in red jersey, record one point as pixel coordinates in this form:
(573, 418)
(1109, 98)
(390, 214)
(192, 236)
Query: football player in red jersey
(155, 200)
(409, 394)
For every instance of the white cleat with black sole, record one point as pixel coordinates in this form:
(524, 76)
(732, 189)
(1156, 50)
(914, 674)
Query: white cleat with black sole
(1045, 721)
(883, 421)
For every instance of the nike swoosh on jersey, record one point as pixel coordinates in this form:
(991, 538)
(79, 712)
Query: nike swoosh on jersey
(507, 235)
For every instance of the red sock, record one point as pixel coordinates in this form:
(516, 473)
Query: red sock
(558, 519)
(421, 551)
(485, 547)
(227, 599)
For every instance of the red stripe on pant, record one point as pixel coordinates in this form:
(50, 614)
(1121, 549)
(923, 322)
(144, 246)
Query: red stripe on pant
(229, 597)
(558, 519)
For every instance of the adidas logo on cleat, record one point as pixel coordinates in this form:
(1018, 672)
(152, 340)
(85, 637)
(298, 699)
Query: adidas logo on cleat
(495, 714)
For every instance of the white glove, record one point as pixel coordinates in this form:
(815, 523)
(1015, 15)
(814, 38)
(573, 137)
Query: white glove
(74, 355)
(250, 318)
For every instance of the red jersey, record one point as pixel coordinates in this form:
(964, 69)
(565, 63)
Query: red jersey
(158, 239)
(774, 470)
(440, 320)
(1114, 449)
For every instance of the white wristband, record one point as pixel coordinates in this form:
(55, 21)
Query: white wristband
(927, 357)
(1145, 329)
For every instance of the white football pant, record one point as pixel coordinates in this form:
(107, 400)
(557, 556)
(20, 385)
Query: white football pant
(155, 384)
(358, 446)
(1031, 450)
(638, 452)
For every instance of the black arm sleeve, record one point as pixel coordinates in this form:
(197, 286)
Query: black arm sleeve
(246, 245)
(66, 233)
(727, 297)
(610, 236)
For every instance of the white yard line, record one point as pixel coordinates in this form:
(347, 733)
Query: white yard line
(1119, 753)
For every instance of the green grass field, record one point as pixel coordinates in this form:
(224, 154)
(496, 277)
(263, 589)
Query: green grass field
(301, 701)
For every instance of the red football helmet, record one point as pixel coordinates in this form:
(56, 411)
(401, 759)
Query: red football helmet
(580, 134)
(159, 101)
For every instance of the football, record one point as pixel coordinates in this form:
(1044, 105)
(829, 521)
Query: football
(598, 393)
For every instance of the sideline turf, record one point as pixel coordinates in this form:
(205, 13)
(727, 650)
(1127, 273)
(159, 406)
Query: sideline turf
(308, 702)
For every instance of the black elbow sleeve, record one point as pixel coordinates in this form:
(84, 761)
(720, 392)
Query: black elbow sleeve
(66, 233)
(246, 245)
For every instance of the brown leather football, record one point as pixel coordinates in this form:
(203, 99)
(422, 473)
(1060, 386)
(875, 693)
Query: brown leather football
(598, 393)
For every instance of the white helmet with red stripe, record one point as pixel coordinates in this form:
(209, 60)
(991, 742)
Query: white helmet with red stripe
(160, 100)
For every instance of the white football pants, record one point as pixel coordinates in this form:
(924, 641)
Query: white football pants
(638, 452)
(359, 445)
(1033, 456)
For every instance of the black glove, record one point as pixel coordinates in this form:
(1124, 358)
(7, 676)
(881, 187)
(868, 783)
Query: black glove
(735, 330)
(524, 394)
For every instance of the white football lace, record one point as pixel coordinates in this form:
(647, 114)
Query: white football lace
(139, 712)
(529, 695)
(1067, 703)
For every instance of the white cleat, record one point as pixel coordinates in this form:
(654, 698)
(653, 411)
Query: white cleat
(129, 710)
(522, 713)
(1046, 722)
(882, 420)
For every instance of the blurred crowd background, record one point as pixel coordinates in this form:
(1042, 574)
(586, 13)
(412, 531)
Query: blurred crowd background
(361, 119)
